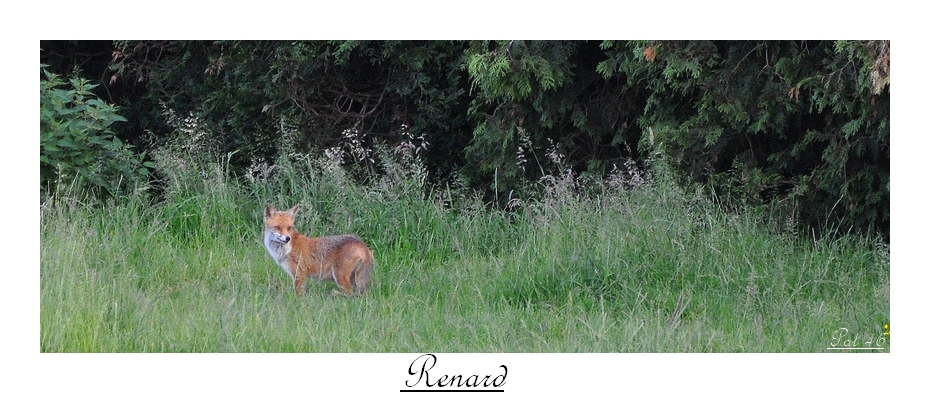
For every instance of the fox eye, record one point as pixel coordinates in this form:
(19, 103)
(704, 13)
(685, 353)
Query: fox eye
(290, 228)
(277, 227)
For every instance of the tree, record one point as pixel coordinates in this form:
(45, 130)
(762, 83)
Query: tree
(801, 125)
(381, 89)
(541, 106)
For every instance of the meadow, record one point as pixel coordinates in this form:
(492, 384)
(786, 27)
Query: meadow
(581, 266)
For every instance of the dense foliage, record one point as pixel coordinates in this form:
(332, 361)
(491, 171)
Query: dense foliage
(77, 145)
(801, 127)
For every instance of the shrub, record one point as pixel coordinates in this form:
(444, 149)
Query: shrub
(77, 145)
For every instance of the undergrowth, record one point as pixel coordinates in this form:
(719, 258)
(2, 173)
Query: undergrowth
(635, 264)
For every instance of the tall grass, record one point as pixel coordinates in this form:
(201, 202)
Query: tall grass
(650, 268)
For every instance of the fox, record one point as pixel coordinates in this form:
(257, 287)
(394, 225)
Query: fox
(345, 259)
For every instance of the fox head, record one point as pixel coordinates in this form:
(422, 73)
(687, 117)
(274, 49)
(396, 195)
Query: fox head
(279, 225)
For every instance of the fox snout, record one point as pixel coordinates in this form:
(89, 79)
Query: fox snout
(282, 238)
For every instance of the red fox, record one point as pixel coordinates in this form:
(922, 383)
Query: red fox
(344, 259)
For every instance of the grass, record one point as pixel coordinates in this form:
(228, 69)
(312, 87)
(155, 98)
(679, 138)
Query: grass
(648, 269)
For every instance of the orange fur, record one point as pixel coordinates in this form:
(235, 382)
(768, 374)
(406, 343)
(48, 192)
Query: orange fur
(344, 259)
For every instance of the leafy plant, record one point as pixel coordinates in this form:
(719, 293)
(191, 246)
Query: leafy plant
(77, 144)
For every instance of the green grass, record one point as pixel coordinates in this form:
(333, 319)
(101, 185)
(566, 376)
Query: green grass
(651, 269)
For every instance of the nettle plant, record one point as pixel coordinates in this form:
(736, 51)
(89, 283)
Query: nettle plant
(77, 145)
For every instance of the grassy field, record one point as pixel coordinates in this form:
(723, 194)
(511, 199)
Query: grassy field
(618, 269)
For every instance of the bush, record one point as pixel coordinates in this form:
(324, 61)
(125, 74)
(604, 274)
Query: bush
(77, 146)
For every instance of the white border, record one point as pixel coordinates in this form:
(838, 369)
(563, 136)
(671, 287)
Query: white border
(469, 20)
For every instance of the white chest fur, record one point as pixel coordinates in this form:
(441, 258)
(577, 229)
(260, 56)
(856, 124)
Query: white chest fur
(279, 250)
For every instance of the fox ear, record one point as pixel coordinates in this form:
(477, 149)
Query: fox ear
(269, 210)
(293, 211)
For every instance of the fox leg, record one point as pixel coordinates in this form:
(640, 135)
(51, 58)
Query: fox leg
(299, 281)
(344, 280)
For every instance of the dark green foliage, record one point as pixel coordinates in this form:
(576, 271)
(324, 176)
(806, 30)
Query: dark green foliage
(541, 106)
(245, 90)
(801, 128)
(77, 145)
